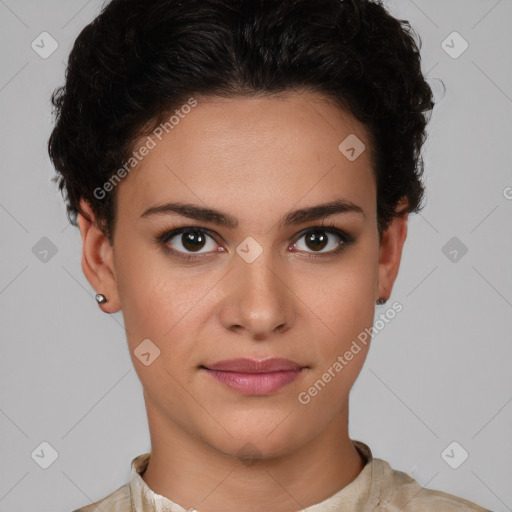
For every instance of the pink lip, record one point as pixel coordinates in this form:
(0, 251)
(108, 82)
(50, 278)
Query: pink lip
(252, 377)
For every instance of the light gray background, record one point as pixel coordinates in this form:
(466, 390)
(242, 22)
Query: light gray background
(439, 372)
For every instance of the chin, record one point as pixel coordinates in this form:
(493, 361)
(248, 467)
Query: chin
(258, 440)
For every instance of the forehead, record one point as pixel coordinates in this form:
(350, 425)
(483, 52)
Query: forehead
(254, 153)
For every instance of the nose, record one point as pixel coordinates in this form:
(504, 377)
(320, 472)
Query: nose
(258, 298)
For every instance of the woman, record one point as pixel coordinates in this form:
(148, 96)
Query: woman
(242, 175)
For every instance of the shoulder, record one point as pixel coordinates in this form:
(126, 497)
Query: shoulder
(118, 501)
(399, 491)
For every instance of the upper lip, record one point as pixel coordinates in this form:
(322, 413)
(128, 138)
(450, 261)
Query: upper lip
(253, 366)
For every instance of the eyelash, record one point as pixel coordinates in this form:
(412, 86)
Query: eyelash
(169, 233)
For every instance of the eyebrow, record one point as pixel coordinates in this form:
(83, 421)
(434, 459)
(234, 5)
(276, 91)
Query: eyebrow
(217, 217)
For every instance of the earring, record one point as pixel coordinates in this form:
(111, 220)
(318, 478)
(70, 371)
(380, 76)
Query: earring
(381, 301)
(101, 299)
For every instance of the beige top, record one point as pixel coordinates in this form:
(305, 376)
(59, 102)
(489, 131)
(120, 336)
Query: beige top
(378, 488)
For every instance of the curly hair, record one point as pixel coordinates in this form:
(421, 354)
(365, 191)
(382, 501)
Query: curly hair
(139, 60)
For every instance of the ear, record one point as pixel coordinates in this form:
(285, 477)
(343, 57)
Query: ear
(97, 260)
(390, 251)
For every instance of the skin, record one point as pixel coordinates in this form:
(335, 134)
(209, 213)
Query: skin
(256, 159)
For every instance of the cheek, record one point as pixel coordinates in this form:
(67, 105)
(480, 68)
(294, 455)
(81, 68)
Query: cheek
(344, 296)
(165, 305)
(348, 311)
(149, 299)
(157, 308)
(352, 303)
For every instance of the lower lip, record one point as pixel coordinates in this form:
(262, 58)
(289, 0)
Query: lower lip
(255, 383)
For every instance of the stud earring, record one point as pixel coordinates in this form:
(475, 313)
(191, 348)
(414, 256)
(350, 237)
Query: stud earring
(101, 299)
(381, 301)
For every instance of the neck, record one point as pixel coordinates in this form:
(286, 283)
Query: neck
(195, 474)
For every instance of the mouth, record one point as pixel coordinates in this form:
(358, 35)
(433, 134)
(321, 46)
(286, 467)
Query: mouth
(251, 377)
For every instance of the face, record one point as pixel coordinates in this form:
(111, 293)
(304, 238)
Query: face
(267, 284)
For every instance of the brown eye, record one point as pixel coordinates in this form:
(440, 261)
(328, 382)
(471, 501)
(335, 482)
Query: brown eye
(193, 240)
(190, 240)
(316, 240)
(320, 238)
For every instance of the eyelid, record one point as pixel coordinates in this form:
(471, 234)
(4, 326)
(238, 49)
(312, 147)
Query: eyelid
(172, 232)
